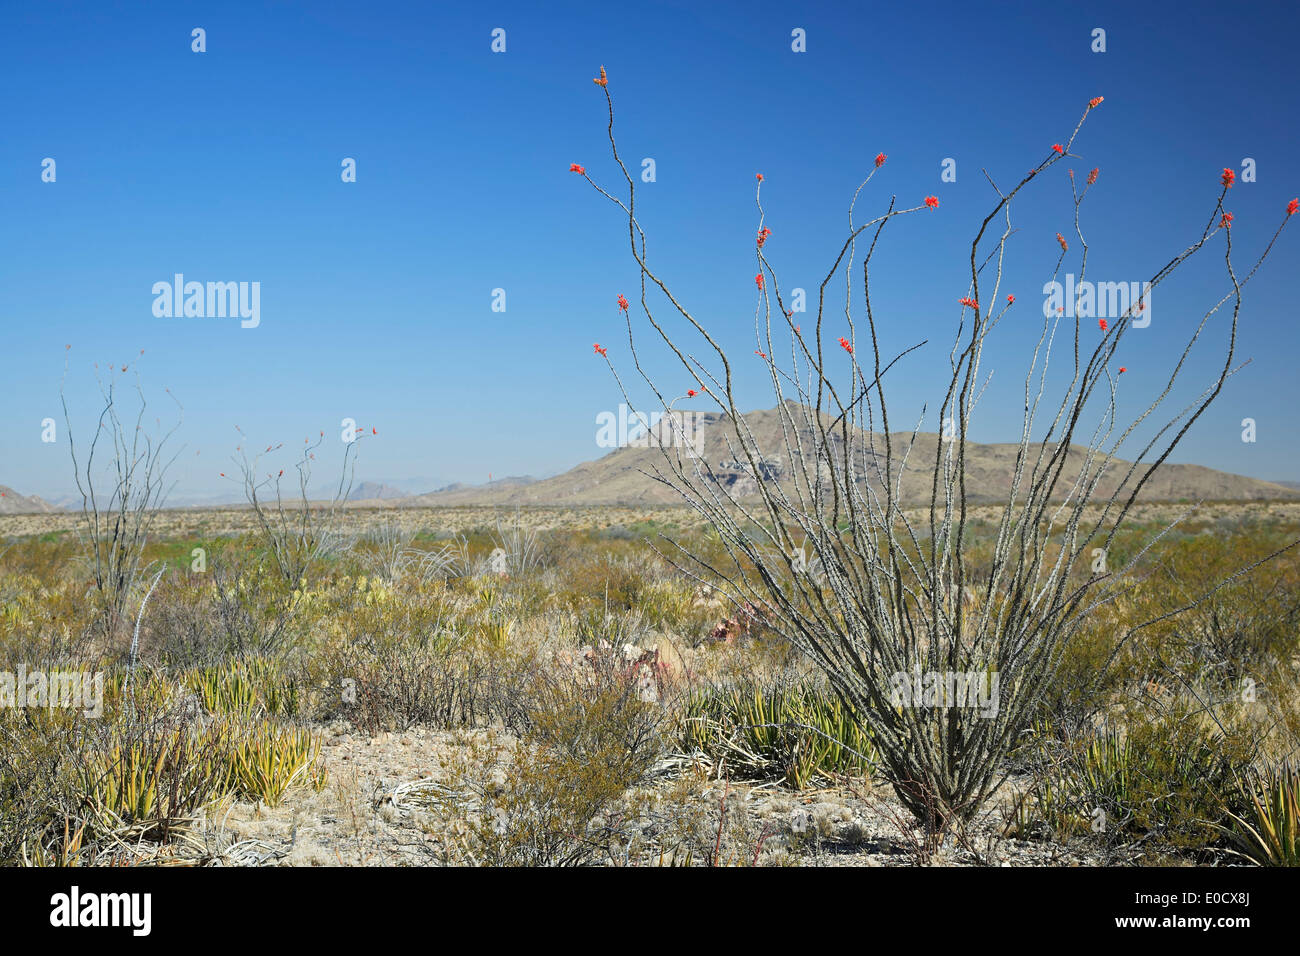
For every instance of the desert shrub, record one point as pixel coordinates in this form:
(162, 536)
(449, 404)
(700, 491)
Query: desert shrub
(39, 759)
(588, 737)
(1171, 779)
(1239, 630)
(186, 627)
(796, 731)
(1214, 631)
(254, 608)
(415, 660)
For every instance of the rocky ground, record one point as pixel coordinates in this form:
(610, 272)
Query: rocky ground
(385, 802)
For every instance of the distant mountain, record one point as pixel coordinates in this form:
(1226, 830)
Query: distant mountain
(12, 503)
(375, 491)
(421, 484)
(620, 477)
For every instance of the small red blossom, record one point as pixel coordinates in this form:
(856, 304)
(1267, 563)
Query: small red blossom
(691, 393)
(762, 236)
(880, 160)
(1092, 176)
(844, 344)
(622, 302)
(967, 300)
(760, 354)
(1228, 178)
(1102, 324)
(1058, 148)
(1122, 369)
(575, 168)
(599, 350)
(1010, 299)
(1095, 102)
(932, 202)
(1291, 208)
(759, 177)
(1226, 221)
(601, 80)
(1061, 239)
(758, 280)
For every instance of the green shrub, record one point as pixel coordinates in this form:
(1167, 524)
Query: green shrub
(1164, 778)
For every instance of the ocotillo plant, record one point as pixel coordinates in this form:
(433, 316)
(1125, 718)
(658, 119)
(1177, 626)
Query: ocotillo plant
(299, 534)
(896, 614)
(121, 499)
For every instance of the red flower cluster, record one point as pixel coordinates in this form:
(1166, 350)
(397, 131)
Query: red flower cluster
(762, 236)
(622, 302)
(690, 392)
(1058, 148)
(601, 80)
(1095, 102)
(970, 302)
(599, 350)
(760, 354)
(1122, 369)
(844, 344)
(575, 168)
(1227, 178)
(932, 202)
(1292, 206)
(1226, 221)
(1102, 324)
(1010, 299)
(1092, 176)
(880, 160)
(759, 176)
(758, 280)
(1061, 239)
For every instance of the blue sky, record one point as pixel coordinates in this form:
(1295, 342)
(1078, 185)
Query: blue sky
(376, 295)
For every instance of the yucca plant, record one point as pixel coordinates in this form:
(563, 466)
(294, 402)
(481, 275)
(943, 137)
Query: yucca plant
(1269, 833)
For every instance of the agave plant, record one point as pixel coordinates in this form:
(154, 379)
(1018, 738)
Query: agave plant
(1269, 834)
(799, 731)
(268, 759)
